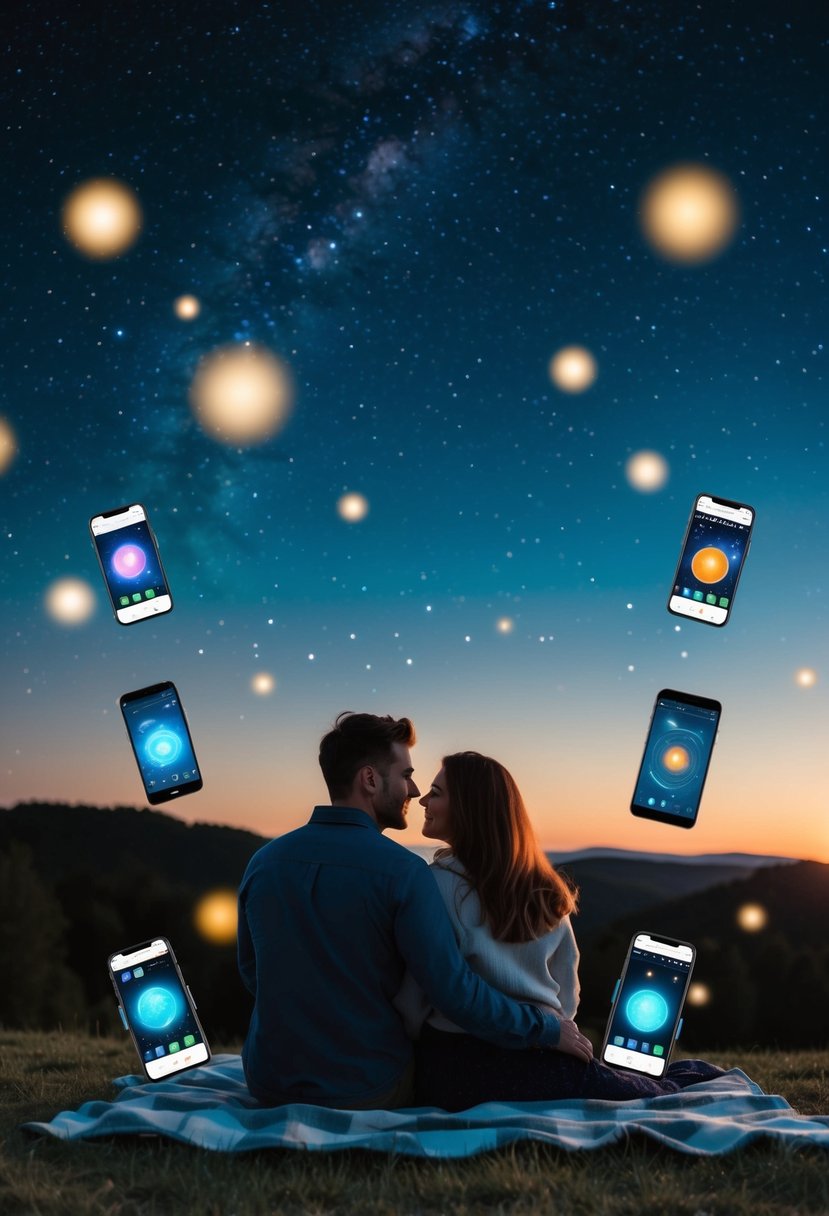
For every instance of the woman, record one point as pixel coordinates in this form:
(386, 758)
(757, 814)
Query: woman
(511, 914)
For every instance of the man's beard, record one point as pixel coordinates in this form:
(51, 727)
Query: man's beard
(391, 813)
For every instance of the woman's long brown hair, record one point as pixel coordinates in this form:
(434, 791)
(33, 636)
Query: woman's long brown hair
(520, 893)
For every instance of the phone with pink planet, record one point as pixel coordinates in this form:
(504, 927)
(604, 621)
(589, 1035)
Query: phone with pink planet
(131, 564)
(716, 545)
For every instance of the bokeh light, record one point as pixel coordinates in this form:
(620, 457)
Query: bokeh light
(241, 394)
(8, 445)
(752, 917)
(263, 683)
(573, 369)
(505, 624)
(647, 471)
(352, 507)
(689, 213)
(70, 601)
(215, 917)
(709, 565)
(699, 994)
(187, 308)
(102, 218)
(805, 677)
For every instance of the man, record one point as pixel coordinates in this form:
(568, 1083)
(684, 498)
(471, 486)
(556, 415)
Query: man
(331, 915)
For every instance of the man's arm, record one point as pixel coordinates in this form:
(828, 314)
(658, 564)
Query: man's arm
(245, 955)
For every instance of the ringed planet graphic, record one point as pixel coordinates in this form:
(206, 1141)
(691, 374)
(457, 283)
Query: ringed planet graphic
(709, 565)
(157, 1008)
(129, 560)
(676, 759)
(647, 1010)
(163, 747)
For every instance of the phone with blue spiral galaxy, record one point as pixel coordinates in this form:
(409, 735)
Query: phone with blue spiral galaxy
(157, 1008)
(161, 742)
(646, 1016)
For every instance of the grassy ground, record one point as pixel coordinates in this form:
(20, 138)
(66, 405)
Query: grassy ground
(40, 1075)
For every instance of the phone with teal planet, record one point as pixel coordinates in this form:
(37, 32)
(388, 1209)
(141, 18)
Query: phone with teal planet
(157, 1008)
(131, 564)
(674, 766)
(716, 545)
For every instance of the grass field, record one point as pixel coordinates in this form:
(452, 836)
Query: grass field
(41, 1074)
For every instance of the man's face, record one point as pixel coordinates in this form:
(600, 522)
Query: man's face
(395, 790)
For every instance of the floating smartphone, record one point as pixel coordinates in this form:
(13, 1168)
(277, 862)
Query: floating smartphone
(677, 754)
(130, 564)
(161, 742)
(158, 1009)
(717, 541)
(645, 1020)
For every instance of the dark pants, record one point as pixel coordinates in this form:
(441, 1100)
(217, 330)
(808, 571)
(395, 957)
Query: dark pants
(456, 1071)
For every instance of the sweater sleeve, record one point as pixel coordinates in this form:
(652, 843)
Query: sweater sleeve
(563, 966)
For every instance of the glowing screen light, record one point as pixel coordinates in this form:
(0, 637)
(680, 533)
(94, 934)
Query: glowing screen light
(805, 677)
(573, 369)
(263, 683)
(163, 747)
(187, 308)
(157, 1008)
(709, 565)
(102, 218)
(241, 394)
(215, 917)
(647, 1010)
(129, 560)
(689, 213)
(70, 601)
(8, 445)
(752, 917)
(676, 759)
(647, 471)
(699, 994)
(352, 507)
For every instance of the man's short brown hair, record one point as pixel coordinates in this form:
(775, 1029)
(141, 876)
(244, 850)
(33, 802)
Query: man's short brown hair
(357, 740)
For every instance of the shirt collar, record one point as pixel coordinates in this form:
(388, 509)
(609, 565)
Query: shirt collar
(343, 815)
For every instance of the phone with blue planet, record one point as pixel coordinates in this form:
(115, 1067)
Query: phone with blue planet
(161, 742)
(646, 1016)
(675, 762)
(716, 545)
(157, 1008)
(131, 564)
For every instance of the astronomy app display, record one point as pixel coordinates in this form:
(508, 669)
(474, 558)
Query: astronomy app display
(161, 741)
(676, 758)
(150, 991)
(710, 565)
(642, 1026)
(132, 569)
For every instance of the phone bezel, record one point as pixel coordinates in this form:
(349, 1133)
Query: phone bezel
(162, 604)
(668, 941)
(649, 812)
(725, 502)
(189, 787)
(188, 996)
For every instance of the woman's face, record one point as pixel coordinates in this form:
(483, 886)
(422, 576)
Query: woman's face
(438, 817)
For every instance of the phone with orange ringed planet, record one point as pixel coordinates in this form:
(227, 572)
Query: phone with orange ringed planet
(675, 762)
(716, 545)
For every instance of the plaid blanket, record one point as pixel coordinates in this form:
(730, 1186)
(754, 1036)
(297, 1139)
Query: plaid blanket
(211, 1107)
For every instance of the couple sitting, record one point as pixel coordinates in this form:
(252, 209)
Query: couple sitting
(381, 982)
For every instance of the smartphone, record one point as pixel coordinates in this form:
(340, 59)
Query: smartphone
(160, 739)
(716, 545)
(676, 758)
(130, 563)
(158, 1009)
(646, 1017)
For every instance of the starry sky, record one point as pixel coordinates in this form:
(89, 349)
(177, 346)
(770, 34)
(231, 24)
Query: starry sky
(414, 206)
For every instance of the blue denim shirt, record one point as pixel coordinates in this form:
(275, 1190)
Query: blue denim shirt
(330, 916)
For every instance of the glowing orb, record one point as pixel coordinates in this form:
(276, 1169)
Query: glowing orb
(647, 471)
(70, 601)
(241, 394)
(129, 560)
(676, 759)
(689, 213)
(187, 308)
(573, 369)
(157, 1008)
(263, 683)
(352, 507)
(647, 1010)
(8, 445)
(215, 917)
(102, 217)
(709, 565)
(752, 917)
(699, 994)
(163, 747)
(805, 677)
(505, 625)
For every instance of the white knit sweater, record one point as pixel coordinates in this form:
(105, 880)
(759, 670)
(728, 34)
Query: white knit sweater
(543, 971)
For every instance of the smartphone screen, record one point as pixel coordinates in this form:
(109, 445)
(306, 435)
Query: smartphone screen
(713, 553)
(158, 1009)
(161, 742)
(130, 564)
(676, 758)
(645, 1019)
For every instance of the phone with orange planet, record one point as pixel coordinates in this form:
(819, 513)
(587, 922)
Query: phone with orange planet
(716, 545)
(676, 758)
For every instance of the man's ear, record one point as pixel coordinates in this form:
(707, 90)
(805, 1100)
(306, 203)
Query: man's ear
(367, 778)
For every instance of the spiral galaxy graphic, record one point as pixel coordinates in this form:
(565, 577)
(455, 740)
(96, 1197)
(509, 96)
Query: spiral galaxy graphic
(675, 759)
(163, 747)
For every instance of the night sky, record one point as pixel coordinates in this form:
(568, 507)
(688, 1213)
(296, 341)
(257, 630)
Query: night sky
(414, 207)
